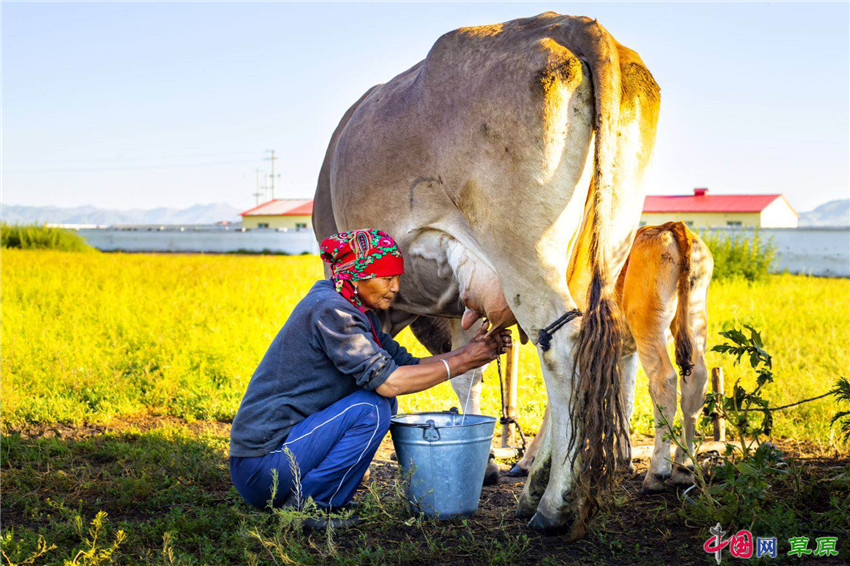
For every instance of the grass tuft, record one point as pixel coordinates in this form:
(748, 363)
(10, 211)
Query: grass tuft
(41, 237)
(740, 255)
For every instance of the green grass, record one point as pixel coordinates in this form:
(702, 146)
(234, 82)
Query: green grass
(88, 337)
(170, 342)
(41, 237)
(149, 484)
(167, 492)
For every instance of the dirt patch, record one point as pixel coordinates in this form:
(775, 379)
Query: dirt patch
(188, 482)
(142, 422)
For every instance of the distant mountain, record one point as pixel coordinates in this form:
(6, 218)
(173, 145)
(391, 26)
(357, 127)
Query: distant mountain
(197, 214)
(833, 213)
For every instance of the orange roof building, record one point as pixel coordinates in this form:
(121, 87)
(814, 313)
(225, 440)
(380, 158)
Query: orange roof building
(290, 214)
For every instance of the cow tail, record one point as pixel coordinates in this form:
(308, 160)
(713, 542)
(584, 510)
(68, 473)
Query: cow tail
(681, 324)
(599, 443)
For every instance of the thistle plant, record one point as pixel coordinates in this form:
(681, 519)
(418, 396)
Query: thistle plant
(736, 409)
(842, 394)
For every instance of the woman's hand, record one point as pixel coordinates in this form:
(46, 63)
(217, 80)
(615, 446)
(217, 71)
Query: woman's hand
(483, 349)
(430, 372)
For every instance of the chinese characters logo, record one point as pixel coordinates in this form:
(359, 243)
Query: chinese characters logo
(740, 545)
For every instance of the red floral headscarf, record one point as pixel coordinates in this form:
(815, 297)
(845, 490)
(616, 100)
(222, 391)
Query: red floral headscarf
(360, 254)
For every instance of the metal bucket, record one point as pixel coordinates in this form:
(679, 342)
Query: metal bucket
(443, 460)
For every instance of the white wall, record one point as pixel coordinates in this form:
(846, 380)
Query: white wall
(191, 240)
(779, 214)
(813, 251)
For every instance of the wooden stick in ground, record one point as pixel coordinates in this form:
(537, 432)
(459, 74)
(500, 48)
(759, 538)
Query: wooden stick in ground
(510, 393)
(717, 387)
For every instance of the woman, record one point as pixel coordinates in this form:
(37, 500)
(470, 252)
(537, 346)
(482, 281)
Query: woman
(320, 402)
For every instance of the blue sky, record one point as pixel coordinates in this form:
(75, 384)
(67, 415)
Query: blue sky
(163, 104)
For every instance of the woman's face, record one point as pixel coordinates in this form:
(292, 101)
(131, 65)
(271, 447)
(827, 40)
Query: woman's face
(378, 292)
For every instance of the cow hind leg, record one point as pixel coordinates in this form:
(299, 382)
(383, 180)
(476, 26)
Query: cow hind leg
(560, 504)
(538, 467)
(628, 371)
(524, 464)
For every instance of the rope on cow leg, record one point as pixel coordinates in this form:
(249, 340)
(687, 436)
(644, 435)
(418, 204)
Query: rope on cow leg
(544, 336)
(507, 419)
(513, 421)
(501, 385)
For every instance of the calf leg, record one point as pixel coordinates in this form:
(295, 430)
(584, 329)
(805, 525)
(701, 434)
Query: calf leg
(693, 397)
(662, 389)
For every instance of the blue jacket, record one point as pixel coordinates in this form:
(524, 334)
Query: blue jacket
(324, 352)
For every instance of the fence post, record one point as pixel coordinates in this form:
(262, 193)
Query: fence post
(717, 387)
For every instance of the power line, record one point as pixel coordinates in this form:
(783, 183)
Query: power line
(130, 168)
(112, 159)
(258, 194)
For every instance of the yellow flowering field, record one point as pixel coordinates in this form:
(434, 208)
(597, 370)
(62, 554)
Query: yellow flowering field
(87, 337)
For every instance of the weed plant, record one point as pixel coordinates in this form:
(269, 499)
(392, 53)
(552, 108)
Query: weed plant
(41, 237)
(752, 485)
(744, 255)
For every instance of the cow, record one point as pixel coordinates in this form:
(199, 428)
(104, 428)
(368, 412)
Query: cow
(663, 292)
(507, 162)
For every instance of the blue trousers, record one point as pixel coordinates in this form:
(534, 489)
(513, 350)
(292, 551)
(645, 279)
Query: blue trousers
(332, 450)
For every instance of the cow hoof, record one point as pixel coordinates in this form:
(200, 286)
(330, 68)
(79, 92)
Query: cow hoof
(491, 474)
(517, 472)
(547, 526)
(525, 508)
(682, 477)
(653, 483)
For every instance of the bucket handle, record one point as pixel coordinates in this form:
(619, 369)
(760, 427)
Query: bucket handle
(430, 433)
(454, 413)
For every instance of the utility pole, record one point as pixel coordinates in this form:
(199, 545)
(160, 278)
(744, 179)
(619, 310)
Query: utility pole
(272, 176)
(258, 194)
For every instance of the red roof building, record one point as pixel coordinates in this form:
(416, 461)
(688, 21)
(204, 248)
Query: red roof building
(702, 210)
(290, 214)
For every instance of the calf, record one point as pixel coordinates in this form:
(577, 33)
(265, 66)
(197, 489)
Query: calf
(662, 290)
